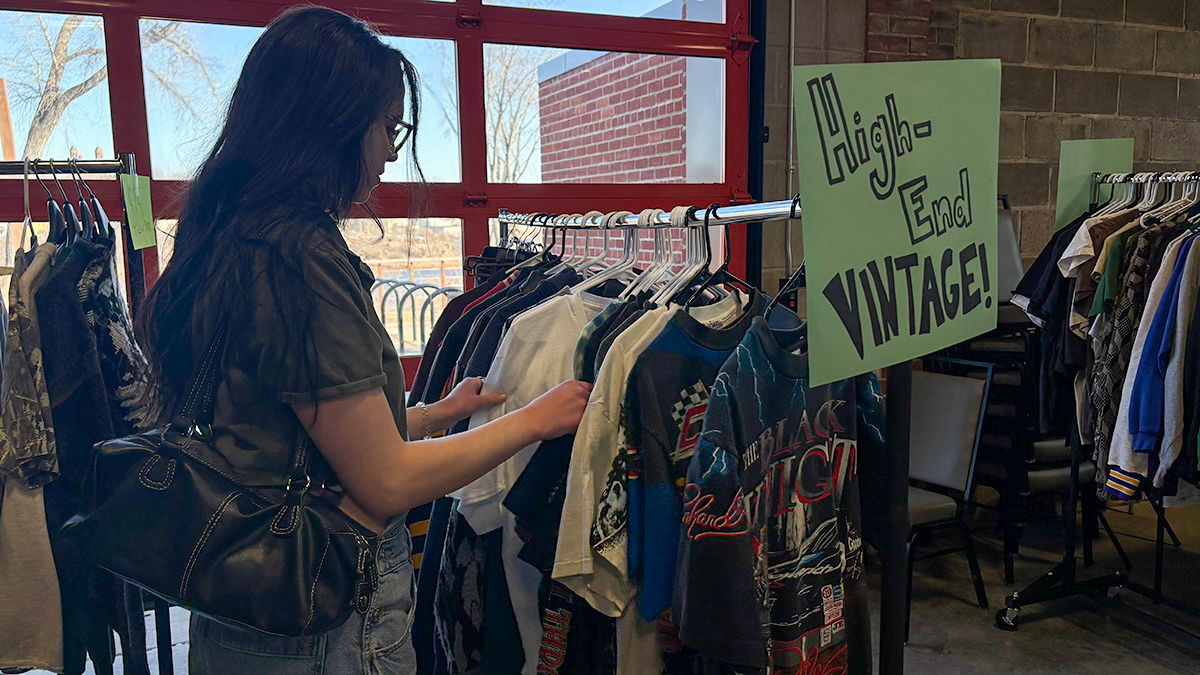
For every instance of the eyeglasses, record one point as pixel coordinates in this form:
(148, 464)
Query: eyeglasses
(399, 132)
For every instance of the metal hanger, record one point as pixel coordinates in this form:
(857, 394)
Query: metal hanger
(798, 278)
(27, 223)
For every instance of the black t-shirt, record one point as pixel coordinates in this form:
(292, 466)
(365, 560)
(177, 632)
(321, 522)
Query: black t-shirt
(772, 543)
(662, 414)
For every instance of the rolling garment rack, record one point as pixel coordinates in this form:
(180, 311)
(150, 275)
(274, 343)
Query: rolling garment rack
(135, 287)
(1062, 580)
(899, 406)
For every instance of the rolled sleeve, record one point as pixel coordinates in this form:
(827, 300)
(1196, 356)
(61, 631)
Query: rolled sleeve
(339, 353)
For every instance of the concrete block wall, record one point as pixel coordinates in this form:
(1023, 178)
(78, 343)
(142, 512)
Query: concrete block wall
(619, 118)
(1080, 69)
(1072, 69)
(826, 31)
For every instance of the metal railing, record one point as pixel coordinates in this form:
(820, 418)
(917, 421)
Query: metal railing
(408, 322)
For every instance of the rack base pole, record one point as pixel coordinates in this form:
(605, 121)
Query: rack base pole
(893, 610)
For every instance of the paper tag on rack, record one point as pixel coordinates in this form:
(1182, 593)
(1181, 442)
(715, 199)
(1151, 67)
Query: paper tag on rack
(139, 218)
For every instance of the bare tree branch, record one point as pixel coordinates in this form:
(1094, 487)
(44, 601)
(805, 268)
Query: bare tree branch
(173, 92)
(86, 86)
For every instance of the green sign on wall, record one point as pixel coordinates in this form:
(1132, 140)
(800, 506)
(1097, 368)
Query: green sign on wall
(898, 166)
(1077, 161)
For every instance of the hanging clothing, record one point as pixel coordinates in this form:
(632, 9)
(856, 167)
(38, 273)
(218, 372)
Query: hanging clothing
(663, 409)
(92, 600)
(763, 583)
(1125, 468)
(535, 355)
(27, 446)
(31, 628)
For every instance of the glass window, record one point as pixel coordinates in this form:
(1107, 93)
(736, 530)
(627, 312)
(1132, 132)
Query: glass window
(53, 87)
(418, 269)
(708, 11)
(190, 70)
(438, 143)
(578, 116)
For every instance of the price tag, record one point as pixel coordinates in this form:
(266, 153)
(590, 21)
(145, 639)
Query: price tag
(139, 217)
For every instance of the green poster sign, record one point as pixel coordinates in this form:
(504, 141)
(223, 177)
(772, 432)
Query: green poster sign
(898, 167)
(139, 216)
(1077, 161)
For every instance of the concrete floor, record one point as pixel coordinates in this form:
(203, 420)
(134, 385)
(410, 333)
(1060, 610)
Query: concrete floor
(1082, 635)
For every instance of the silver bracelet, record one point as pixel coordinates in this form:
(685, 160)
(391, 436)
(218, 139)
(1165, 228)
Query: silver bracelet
(425, 416)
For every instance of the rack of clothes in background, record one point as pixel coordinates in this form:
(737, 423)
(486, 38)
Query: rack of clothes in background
(710, 497)
(1115, 294)
(72, 375)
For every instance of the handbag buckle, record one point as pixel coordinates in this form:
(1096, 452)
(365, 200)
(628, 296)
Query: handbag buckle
(307, 484)
(197, 430)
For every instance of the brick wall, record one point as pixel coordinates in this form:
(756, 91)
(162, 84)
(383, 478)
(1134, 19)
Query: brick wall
(614, 246)
(1080, 69)
(619, 118)
(898, 30)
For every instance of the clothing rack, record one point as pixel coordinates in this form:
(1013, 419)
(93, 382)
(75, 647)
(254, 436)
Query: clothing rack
(899, 406)
(123, 164)
(135, 277)
(1061, 581)
(135, 271)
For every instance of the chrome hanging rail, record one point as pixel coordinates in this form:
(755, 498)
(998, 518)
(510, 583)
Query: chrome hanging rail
(739, 213)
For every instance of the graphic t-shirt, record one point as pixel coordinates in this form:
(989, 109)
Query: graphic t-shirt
(662, 415)
(771, 523)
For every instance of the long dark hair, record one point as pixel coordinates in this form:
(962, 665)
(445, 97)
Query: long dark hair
(289, 154)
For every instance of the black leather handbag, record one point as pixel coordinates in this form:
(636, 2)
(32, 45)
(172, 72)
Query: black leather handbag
(166, 516)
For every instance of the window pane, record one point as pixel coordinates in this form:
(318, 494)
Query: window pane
(418, 269)
(438, 147)
(708, 11)
(575, 116)
(190, 70)
(47, 111)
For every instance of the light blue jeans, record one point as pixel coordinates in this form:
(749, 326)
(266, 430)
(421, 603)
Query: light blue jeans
(379, 643)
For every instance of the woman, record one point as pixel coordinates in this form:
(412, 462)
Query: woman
(321, 106)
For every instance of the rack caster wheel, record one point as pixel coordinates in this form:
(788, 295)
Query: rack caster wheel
(1008, 619)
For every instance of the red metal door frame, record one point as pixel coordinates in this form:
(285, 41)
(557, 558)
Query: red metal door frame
(471, 25)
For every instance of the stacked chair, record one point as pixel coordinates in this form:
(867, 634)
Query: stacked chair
(1015, 458)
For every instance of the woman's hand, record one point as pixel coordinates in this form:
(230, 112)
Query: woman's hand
(465, 400)
(558, 411)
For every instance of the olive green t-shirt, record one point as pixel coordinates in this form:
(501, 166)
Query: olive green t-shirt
(254, 427)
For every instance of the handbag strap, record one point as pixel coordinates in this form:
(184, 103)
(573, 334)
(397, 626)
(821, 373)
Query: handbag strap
(197, 410)
(197, 406)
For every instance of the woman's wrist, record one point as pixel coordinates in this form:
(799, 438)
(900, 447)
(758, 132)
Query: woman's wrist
(528, 424)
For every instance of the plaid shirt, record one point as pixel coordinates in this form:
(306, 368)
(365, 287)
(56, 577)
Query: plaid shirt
(1115, 348)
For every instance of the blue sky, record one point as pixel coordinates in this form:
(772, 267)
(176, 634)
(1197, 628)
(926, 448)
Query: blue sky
(178, 140)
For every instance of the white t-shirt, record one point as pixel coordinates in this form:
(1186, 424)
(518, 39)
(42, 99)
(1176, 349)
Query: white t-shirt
(536, 355)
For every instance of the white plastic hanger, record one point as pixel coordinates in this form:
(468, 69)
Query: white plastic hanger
(623, 268)
(693, 261)
(655, 269)
(1127, 193)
